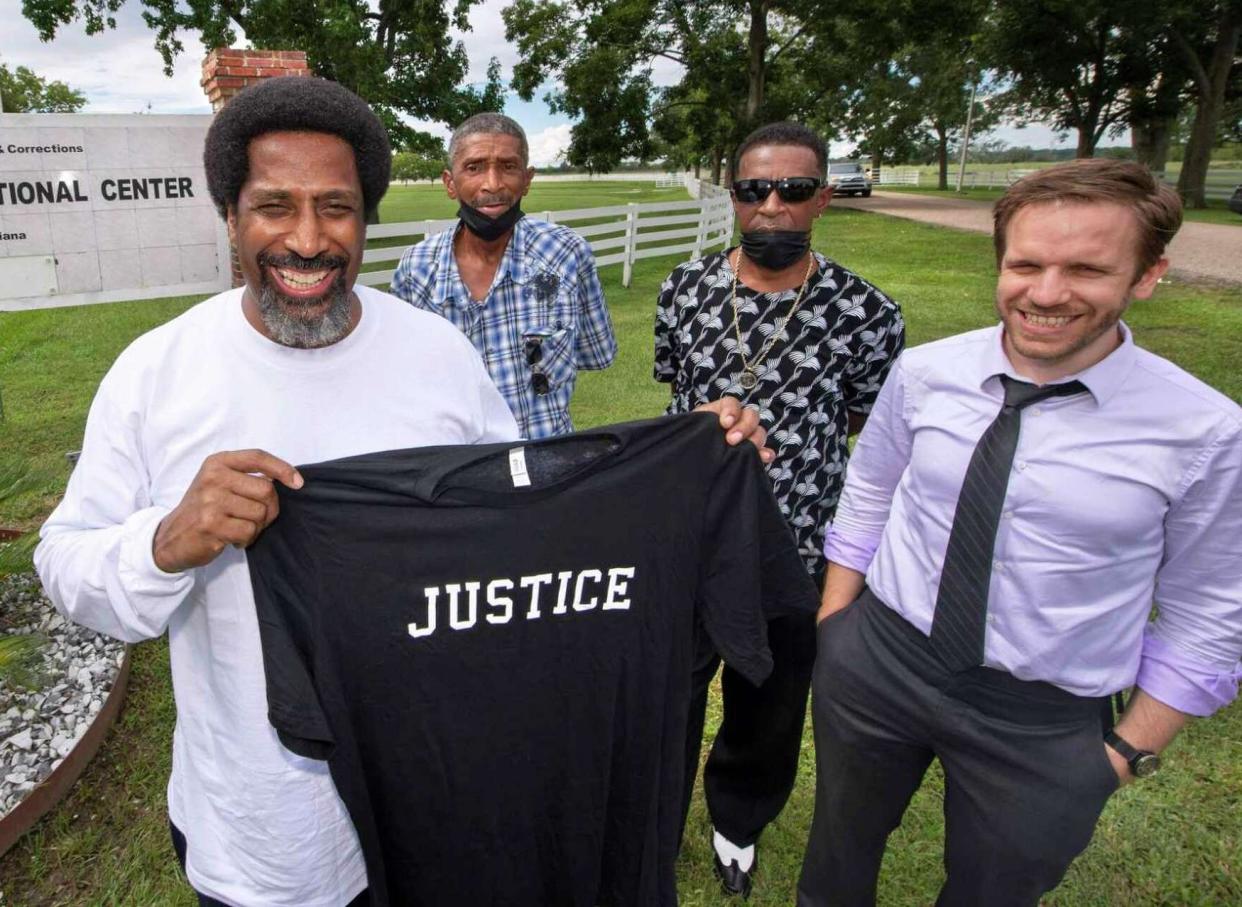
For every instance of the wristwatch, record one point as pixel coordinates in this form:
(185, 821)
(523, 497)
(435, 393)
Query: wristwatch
(1143, 763)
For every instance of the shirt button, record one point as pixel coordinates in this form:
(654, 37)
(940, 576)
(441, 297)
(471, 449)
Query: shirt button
(1021, 464)
(1008, 514)
(997, 565)
(490, 351)
(1036, 412)
(991, 618)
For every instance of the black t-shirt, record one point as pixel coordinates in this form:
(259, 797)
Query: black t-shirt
(492, 647)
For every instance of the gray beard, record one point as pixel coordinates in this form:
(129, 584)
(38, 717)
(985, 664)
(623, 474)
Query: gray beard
(286, 327)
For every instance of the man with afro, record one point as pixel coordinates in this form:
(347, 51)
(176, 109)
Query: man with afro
(191, 428)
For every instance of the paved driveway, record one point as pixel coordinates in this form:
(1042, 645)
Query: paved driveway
(1199, 251)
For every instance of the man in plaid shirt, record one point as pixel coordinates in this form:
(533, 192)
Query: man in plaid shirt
(524, 291)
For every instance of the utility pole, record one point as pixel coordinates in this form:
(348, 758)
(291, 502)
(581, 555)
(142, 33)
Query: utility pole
(970, 115)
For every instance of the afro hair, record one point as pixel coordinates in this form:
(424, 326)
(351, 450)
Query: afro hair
(294, 104)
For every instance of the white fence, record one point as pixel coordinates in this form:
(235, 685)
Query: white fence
(1219, 184)
(991, 179)
(621, 234)
(898, 177)
(628, 176)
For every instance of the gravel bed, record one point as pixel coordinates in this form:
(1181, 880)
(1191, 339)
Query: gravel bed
(77, 667)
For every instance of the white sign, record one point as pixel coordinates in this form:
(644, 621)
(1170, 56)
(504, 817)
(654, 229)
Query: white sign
(103, 208)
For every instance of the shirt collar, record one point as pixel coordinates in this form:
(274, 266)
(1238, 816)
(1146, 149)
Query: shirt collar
(1102, 380)
(451, 290)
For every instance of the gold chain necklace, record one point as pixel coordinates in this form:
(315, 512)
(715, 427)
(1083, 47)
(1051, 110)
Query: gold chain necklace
(748, 378)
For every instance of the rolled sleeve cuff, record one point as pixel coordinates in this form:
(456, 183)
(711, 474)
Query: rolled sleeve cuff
(854, 552)
(1182, 682)
(139, 574)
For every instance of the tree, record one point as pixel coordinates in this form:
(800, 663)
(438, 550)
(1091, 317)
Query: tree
(410, 165)
(396, 54)
(1211, 62)
(1066, 60)
(602, 51)
(21, 91)
(882, 112)
(942, 75)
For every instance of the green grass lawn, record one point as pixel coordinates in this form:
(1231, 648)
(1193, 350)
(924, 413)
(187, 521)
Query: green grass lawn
(428, 201)
(1214, 213)
(1173, 840)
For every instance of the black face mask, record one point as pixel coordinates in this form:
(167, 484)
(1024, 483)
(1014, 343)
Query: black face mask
(775, 249)
(489, 228)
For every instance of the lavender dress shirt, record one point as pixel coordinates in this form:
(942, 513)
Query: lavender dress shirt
(1127, 495)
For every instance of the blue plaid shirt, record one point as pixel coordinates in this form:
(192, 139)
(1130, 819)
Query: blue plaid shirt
(546, 287)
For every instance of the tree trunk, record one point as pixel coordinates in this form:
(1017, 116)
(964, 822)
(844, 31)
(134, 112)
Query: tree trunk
(942, 155)
(757, 48)
(1152, 120)
(717, 154)
(1192, 181)
(698, 168)
(1210, 84)
(1086, 141)
(877, 160)
(1150, 141)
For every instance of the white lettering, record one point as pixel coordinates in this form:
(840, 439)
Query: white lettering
(496, 600)
(618, 585)
(564, 578)
(431, 593)
(461, 600)
(534, 583)
(456, 621)
(595, 576)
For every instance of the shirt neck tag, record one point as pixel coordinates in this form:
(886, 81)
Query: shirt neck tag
(517, 467)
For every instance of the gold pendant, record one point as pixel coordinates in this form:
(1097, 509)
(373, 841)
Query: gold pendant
(748, 379)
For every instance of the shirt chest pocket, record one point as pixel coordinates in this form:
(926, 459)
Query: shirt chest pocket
(550, 351)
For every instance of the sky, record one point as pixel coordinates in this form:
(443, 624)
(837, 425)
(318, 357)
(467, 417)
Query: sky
(120, 71)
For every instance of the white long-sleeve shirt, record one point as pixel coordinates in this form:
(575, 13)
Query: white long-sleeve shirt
(264, 827)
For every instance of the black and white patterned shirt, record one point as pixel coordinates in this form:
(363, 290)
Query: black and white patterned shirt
(828, 362)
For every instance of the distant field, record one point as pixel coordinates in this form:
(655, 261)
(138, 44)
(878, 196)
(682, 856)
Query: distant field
(1215, 213)
(428, 201)
(1172, 170)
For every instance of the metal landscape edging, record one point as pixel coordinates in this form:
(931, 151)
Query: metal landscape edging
(56, 786)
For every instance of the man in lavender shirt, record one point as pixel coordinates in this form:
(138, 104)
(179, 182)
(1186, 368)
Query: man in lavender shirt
(1020, 498)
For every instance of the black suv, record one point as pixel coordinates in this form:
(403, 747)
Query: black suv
(1235, 201)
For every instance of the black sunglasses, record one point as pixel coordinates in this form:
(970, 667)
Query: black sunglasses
(790, 189)
(533, 348)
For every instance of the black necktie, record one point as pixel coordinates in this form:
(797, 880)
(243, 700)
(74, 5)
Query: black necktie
(962, 600)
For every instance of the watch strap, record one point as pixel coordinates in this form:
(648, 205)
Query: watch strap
(1141, 762)
(1121, 745)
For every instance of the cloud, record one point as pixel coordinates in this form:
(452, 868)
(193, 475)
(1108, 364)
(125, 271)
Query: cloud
(486, 39)
(119, 70)
(547, 145)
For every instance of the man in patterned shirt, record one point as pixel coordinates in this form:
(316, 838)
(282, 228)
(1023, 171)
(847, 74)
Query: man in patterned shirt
(808, 344)
(524, 291)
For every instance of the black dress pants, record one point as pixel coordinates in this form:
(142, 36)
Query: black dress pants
(1026, 773)
(753, 762)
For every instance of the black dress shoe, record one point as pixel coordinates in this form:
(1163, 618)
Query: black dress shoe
(733, 879)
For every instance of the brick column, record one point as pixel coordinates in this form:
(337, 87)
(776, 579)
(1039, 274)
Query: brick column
(227, 70)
